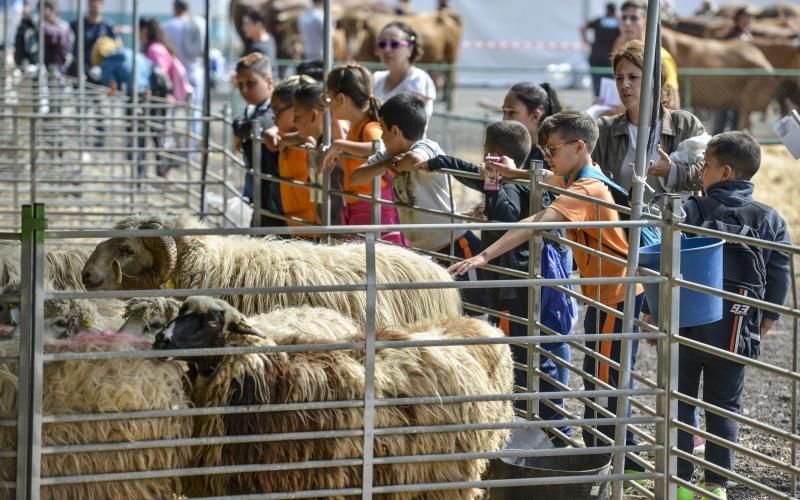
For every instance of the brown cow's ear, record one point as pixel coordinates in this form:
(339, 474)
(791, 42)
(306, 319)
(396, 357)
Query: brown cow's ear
(244, 328)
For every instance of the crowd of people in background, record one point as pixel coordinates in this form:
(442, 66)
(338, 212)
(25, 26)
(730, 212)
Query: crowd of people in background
(379, 130)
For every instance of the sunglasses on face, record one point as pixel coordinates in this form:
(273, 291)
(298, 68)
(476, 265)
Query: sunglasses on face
(552, 150)
(385, 43)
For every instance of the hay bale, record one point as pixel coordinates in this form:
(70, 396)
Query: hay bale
(104, 386)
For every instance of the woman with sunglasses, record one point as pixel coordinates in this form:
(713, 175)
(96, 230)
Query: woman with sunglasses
(398, 47)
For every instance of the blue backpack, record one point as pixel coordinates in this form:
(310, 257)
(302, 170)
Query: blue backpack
(649, 235)
(559, 311)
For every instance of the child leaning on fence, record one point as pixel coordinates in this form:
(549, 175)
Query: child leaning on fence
(403, 121)
(510, 202)
(254, 79)
(569, 138)
(350, 98)
(731, 160)
(293, 201)
(309, 113)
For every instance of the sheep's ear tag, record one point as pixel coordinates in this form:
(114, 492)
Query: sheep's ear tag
(87, 323)
(169, 285)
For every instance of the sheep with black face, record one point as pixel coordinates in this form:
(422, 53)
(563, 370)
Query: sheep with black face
(338, 375)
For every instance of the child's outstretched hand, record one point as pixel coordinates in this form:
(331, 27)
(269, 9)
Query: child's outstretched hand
(508, 169)
(661, 167)
(423, 165)
(271, 139)
(464, 266)
(406, 162)
(290, 140)
(329, 160)
(476, 211)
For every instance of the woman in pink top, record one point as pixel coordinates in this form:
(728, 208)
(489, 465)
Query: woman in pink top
(158, 49)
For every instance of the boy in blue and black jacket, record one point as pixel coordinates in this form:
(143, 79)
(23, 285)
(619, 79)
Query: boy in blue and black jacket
(510, 203)
(731, 160)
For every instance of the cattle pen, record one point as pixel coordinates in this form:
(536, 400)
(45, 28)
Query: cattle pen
(74, 163)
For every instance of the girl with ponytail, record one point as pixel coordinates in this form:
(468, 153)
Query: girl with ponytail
(529, 104)
(350, 99)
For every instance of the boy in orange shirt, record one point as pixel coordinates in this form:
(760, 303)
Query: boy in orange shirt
(292, 162)
(569, 138)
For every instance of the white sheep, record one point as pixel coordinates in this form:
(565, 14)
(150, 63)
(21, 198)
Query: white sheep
(236, 261)
(63, 266)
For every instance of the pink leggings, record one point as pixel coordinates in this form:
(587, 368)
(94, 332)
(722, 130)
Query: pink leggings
(360, 214)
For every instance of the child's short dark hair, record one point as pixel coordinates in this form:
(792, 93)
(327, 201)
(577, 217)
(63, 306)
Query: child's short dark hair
(572, 126)
(255, 62)
(255, 16)
(737, 149)
(309, 95)
(314, 69)
(407, 111)
(285, 90)
(509, 138)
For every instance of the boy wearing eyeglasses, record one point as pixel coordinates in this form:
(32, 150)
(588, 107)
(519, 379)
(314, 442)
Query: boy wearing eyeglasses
(569, 138)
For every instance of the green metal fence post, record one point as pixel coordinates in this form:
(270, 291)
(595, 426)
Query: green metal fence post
(31, 369)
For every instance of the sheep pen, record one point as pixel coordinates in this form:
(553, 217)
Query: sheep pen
(194, 262)
(338, 375)
(101, 386)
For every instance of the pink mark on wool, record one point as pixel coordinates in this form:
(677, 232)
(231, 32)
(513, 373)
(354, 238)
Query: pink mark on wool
(102, 341)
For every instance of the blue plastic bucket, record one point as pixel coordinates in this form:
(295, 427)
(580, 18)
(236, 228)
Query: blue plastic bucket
(701, 262)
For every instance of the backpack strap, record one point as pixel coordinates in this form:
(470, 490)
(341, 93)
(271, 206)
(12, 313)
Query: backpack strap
(589, 172)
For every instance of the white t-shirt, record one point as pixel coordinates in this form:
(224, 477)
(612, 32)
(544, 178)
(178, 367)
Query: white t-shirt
(416, 81)
(424, 189)
(625, 170)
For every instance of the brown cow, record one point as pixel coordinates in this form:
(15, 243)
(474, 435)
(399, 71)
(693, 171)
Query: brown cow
(748, 94)
(783, 55)
(281, 22)
(779, 45)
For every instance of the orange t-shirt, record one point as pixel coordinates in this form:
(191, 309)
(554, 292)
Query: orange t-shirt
(614, 241)
(367, 130)
(295, 200)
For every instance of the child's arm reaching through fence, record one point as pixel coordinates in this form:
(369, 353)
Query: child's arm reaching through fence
(512, 239)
